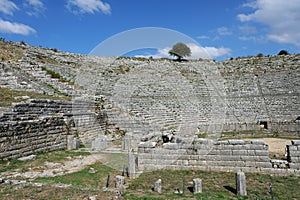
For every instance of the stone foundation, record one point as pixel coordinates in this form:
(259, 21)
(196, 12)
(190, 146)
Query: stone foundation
(205, 154)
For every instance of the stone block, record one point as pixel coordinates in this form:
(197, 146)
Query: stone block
(241, 184)
(157, 187)
(226, 152)
(291, 148)
(263, 164)
(239, 152)
(197, 185)
(120, 181)
(257, 142)
(131, 164)
(294, 166)
(236, 142)
(261, 153)
(171, 146)
(295, 142)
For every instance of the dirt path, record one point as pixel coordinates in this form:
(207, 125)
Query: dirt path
(276, 145)
(55, 169)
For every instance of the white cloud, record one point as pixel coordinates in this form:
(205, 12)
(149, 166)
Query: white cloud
(196, 52)
(202, 37)
(208, 52)
(16, 28)
(248, 30)
(224, 31)
(88, 6)
(8, 7)
(36, 7)
(282, 17)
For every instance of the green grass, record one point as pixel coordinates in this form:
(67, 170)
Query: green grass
(54, 156)
(216, 185)
(83, 179)
(8, 96)
(56, 75)
(259, 134)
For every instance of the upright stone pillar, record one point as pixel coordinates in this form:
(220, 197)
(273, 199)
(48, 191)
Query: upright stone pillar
(100, 143)
(197, 185)
(241, 184)
(70, 142)
(120, 181)
(131, 164)
(157, 186)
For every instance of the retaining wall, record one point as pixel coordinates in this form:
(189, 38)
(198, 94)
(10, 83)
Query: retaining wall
(205, 154)
(43, 125)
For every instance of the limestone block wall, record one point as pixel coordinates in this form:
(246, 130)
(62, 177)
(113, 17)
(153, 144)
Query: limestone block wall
(293, 154)
(25, 137)
(205, 154)
(42, 125)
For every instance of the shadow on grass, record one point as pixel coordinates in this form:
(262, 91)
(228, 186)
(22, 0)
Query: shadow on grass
(191, 189)
(231, 189)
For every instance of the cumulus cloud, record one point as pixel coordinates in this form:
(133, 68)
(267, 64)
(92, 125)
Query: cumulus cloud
(196, 52)
(88, 6)
(208, 52)
(16, 28)
(8, 7)
(36, 7)
(282, 17)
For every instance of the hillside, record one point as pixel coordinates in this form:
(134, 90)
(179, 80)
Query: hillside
(145, 95)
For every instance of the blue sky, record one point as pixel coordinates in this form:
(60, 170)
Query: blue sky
(222, 29)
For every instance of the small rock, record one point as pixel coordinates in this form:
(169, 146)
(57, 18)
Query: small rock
(92, 197)
(92, 171)
(27, 158)
(17, 182)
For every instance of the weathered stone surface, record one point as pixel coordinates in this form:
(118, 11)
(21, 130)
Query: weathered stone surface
(157, 187)
(241, 184)
(27, 158)
(197, 185)
(131, 164)
(120, 181)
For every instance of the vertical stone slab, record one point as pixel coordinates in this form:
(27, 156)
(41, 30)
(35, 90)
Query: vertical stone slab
(197, 185)
(70, 142)
(126, 142)
(131, 164)
(100, 143)
(157, 186)
(120, 181)
(241, 184)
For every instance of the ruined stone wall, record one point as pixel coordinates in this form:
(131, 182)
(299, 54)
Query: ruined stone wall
(25, 137)
(205, 154)
(43, 125)
(293, 154)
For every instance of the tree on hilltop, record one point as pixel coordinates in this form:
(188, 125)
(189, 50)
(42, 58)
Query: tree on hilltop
(180, 50)
(283, 52)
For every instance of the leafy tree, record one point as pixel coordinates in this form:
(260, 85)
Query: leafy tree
(180, 50)
(283, 52)
(260, 55)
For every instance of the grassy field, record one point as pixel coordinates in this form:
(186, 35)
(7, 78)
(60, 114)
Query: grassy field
(82, 184)
(9, 96)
